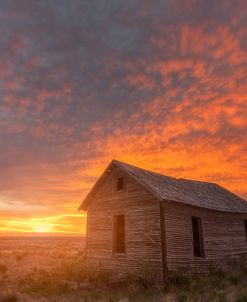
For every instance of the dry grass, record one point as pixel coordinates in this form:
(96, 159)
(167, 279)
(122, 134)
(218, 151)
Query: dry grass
(55, 271)
(3, 268)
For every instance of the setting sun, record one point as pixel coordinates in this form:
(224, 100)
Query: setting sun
(42, 229)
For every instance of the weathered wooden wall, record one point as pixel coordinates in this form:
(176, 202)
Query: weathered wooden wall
(224, 237)
(223, 233)
(143, 238)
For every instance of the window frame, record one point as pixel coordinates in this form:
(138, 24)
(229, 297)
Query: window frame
(201, 253)
(114, 232)
(245, 228)
(116, 184)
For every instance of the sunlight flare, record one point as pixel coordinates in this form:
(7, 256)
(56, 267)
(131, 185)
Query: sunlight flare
(42, 229)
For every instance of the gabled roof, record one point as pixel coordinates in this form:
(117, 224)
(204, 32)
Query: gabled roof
(195, 193)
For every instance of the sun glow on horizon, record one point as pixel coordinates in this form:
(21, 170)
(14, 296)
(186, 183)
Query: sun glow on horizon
(42, 229)
(57, 224)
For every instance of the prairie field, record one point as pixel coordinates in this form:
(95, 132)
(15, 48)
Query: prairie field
(53, 269)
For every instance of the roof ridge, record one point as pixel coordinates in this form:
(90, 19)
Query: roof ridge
(161, 174)
(143, 169)
(198, 181)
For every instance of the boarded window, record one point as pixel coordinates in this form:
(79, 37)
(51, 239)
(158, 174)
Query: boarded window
(245, 225)
(119, 234)
(198, 247)
(120, 184)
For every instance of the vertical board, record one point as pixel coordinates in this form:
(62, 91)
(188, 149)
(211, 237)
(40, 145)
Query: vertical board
(141, 210)
(223, 238)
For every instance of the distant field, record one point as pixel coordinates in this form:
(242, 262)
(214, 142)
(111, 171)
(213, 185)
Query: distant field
(24, 258)
(23, 254)
(53, 269)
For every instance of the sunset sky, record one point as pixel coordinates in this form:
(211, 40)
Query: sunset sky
(159, 84)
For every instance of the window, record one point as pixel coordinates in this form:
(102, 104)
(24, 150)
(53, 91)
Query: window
(198, 248)
(120, 184)
(119, 234)
(245, 225)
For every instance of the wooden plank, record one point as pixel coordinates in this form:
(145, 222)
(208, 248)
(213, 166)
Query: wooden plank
(163, 242)
(224, 238)
(143, 237)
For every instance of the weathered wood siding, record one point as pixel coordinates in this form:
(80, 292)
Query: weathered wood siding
(142, 225)
(224, 236)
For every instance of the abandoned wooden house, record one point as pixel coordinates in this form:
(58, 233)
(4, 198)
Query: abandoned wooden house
(140, 222)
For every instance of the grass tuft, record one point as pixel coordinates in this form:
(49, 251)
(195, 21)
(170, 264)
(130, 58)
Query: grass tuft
(242, 298)
(9, 298)
(3, 268)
